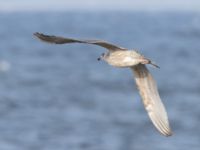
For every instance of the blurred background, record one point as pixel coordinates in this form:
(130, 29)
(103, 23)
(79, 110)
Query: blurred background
(59, 97)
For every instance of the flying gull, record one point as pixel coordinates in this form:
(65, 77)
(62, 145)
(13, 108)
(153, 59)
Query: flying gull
(124, 58)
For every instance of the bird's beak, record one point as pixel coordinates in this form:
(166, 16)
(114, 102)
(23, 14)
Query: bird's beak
(99, 58)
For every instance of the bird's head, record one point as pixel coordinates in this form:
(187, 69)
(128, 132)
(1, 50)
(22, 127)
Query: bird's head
(101, 57)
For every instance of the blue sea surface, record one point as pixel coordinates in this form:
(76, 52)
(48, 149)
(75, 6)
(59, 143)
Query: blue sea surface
(59, 97)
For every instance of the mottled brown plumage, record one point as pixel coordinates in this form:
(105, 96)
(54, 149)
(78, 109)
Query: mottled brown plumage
(122, 57)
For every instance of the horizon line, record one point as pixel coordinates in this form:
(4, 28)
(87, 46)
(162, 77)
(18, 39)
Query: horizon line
(99, 10)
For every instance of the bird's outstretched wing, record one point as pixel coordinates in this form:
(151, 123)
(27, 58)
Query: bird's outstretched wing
(151, 99)
(62, 40)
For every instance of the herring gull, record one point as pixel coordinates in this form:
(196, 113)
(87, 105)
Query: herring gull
(124, 58)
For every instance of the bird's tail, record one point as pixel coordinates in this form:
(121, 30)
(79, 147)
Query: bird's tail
(148, 61)
(154, 64)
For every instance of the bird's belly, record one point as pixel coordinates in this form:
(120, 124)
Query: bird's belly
(127, 60)
(123, 62)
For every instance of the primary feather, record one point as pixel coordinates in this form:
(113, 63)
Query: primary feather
(151, 99)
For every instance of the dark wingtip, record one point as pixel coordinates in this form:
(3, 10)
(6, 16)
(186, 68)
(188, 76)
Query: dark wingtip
(44, 38)
(38, 35)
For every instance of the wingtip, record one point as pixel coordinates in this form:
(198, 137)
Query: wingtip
(167, 134)
(163, 130)
(43, 37)
(37, 34)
